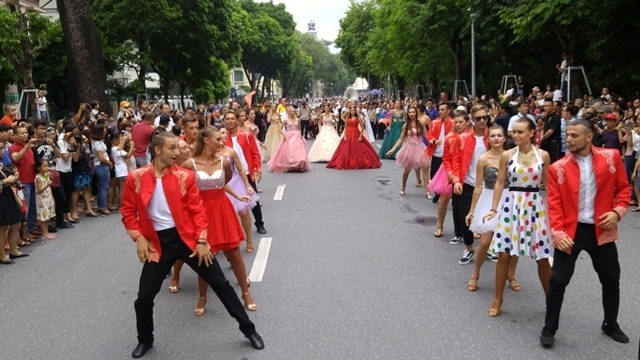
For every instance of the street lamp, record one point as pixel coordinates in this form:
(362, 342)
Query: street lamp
(473, 55)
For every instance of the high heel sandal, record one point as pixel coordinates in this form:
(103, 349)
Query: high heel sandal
(251, 307)
(249, 247)
(418, 183)
(495, 311)
(174, 289)
(402, 191)
(513, 284)
(200, 311)
(473, 283)
(429, 196)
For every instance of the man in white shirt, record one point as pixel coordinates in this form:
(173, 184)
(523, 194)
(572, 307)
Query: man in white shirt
(165, 110)
(562, 69)
(523, 111)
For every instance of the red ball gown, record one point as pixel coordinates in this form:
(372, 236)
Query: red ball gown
(353, 153)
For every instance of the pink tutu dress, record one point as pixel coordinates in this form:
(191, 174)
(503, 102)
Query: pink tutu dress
(291, 154)
(411, 154)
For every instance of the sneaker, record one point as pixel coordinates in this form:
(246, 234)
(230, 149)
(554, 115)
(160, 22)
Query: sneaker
(492, 257)
(466, 257)
(547, 338)
(615, 333)
(456, 240)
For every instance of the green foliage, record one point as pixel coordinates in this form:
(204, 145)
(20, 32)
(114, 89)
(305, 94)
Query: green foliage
(23, 36)
(428, 41)
(50, 69)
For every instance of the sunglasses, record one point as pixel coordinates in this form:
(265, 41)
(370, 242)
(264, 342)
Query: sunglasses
(481, 118)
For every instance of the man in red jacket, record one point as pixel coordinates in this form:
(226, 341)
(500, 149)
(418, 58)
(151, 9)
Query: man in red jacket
(163, 213)
(468, 148)
(245, 146)
(588, 193)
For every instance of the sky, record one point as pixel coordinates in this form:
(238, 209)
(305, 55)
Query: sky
(325, 13)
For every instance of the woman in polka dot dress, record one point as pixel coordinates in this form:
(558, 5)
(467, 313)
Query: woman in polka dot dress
(523, 225)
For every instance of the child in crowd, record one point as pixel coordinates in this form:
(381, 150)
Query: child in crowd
(45, 205)
(121, 159)
(41, 105)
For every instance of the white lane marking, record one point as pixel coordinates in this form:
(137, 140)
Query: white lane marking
(551, 260)
(379, 145)
(260, 261)
(279, 192)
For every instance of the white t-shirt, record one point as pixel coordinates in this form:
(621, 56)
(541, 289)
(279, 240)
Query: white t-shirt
(158, 209)
(563, 65)
(470, 176)
(41, 104)
(439, 151)
(94, 113)
(119, 162)
(61, 165)
(516, 118)
(238, 150)
(169, 127)
(98, 145)
(557, 95)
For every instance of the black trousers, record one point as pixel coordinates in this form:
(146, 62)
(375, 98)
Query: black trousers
(554, 149)
(605, 262)
(61, 203)
(257, 210)
(304, 128)
(380, 130)
(436, 162)
(66, 182)
(340, 126)
(461, 205)
(153, 274)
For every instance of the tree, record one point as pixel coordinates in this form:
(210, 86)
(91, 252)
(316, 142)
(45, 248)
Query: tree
(353, 39)
(300, 72)
(50, 70)
(86, 72)
(22, 36)
(268, 46)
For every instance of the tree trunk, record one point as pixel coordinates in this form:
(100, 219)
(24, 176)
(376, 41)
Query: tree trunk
(264, 82)
(182, 89)
(85, 63)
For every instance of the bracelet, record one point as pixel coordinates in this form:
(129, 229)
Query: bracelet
(470, 214)
(202, 242)
(493, 211)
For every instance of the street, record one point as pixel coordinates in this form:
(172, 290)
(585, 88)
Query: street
(352, 272)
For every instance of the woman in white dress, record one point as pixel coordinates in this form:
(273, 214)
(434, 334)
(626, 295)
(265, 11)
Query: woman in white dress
(327, 140)
(486, 176)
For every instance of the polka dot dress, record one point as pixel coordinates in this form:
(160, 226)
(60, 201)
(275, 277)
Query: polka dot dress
(523, 225)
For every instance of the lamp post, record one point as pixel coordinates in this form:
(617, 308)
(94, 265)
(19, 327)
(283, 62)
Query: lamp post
(473, 56)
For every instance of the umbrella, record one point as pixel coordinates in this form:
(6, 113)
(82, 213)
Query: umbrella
(374, 92)
(249, 97)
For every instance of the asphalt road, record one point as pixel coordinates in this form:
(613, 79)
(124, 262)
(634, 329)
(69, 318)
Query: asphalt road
(353, 272)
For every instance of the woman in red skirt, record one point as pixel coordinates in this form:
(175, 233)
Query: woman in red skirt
(225, 232)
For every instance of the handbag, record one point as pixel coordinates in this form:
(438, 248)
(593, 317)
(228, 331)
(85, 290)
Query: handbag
(440, 184)
(15, 195)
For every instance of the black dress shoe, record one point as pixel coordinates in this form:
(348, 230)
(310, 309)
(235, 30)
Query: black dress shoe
(261, 230)
(140, 350)
(65, 225)
(615, 333)
(256, 340)
(7, 262)
(547, 338)
(11, 256)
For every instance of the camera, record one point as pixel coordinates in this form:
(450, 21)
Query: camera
(78, 139)
(19, 185)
